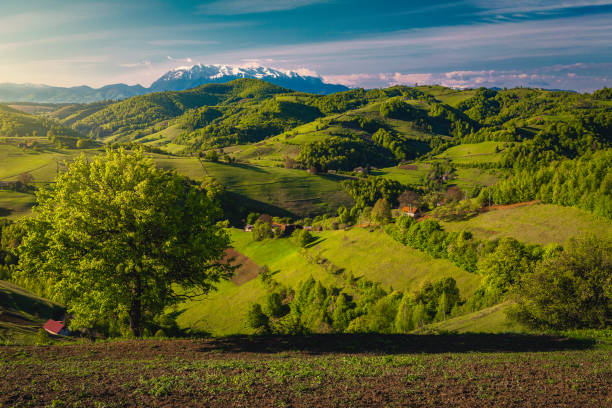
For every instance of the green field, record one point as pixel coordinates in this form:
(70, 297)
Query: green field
(537, 224)
(372, 255)
(293, 190)
(490, 320)
(485, 152)
(407, 177)
(19, 204)
(42, 163)
(452, 97)
(164, 139)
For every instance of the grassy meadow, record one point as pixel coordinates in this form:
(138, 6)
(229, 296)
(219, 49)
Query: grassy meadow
(536, 224)
(372, 255)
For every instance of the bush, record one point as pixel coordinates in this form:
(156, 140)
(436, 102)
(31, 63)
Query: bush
(274, 306)
(569, 291)
(256, 318)
(302, 237)
(262, 230)
(43, 338)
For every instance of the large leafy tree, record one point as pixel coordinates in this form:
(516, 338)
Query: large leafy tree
(117, 238)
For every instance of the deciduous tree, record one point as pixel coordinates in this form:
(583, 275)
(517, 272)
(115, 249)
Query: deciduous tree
(116, 237)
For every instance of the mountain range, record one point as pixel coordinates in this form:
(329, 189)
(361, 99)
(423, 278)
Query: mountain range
(175, 80)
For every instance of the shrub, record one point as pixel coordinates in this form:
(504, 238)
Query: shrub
(571, 290)
(256, 318)
(302, 237)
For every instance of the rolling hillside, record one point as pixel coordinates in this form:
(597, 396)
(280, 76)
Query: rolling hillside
(538, 224)
(22, 314)
(372, 255)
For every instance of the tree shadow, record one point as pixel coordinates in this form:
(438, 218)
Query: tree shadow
(315, 242)
(397, 343)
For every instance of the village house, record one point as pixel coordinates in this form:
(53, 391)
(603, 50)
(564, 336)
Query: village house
(249, 227)
(410, 211)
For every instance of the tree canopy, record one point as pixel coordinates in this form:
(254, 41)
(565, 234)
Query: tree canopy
(117, 240)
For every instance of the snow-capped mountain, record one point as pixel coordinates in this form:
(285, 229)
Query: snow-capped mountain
(190, 77)
(175, 80)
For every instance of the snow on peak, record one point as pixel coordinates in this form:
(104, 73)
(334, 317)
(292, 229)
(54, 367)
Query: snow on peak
(250, 70)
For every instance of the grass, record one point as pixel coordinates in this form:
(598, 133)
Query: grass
(164, 139)
(537, 224)
(372, 255)
(448, 96)
(43, 163)
(296, 191)
(484, 152)
(407, 177)
(18, 204)
(490, 320)
(22, 314)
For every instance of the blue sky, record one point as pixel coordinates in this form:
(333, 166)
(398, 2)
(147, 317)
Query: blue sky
(552, 44)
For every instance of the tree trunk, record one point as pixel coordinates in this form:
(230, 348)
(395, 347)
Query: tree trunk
(136, 310)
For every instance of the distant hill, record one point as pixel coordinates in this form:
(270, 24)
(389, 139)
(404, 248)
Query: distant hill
(175, 80)
(78, 94)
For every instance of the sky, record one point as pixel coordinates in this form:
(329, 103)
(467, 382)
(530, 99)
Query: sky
(554, 44)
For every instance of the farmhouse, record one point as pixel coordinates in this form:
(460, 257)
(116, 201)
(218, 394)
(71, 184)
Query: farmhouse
(249, 227)
(286, 229)
(410, 211)
(56, 327)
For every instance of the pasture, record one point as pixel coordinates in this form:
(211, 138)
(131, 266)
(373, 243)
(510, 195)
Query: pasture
(334, 257)
(537, 224)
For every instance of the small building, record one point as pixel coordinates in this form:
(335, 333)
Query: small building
(286, 229)
(56, 327)
(410, 211)
(249, 227)
(307, 227)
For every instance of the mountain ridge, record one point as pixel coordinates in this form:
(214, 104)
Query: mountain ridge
(178, 79)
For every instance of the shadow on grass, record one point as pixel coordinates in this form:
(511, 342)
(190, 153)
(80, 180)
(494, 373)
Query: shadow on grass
(315, 242)
(398, 343)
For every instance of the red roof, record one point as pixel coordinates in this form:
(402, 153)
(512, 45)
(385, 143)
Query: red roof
(410, 209)
(53, 326)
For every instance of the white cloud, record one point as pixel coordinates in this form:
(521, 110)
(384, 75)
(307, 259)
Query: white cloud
(544, 77)
(144, 63)
(533, 6)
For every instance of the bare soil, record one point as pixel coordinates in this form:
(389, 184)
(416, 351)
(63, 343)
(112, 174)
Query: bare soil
(311, 371)
(246, 269)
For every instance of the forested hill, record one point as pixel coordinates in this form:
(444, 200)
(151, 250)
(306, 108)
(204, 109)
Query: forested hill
(142, 111)
(15, 123)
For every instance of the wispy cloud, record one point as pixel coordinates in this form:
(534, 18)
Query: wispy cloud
(533, 6)
(445, 47)
(174, 43)
(233, 7)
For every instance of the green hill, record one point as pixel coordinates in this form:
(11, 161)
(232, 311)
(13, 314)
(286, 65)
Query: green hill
(22, 314)
(372, 255)
(16, 123)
